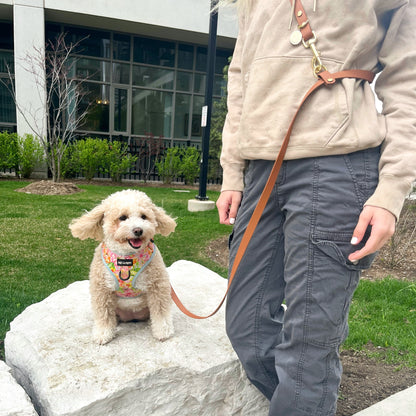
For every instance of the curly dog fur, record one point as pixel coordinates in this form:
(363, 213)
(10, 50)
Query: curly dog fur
(125, 222)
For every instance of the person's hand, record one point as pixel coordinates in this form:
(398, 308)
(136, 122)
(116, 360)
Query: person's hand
(227, 205)
(383, 224)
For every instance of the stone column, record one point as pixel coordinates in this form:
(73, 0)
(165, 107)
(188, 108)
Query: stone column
(29, 41)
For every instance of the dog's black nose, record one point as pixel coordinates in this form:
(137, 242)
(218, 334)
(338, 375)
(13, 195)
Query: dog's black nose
(138, 232)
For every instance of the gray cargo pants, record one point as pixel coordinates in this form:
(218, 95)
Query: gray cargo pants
(298, 254)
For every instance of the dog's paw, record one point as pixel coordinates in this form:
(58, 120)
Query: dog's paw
(103, 335)
(162, 330)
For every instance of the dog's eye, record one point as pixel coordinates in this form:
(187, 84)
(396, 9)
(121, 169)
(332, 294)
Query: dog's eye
(144, 217)
(123, 218)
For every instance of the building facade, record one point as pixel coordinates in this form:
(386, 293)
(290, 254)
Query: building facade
(142, 62)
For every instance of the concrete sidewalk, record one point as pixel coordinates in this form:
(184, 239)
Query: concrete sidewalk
(400, 404)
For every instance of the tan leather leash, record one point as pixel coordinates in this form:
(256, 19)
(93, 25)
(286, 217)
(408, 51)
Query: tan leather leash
(324, 78)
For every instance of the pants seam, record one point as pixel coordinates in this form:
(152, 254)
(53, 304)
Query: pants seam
(259, 304)
(308, 294)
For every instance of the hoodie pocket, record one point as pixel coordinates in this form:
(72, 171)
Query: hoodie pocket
(275, 88)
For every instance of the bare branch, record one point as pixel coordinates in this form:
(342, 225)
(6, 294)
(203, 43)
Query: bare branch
(51, 68)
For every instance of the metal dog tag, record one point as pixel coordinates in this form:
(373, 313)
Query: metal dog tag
(295, 37)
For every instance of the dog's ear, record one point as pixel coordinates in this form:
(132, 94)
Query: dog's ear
(90, 225)
(165, 223)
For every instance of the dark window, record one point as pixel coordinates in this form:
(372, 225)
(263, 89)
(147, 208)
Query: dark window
(6, 62)
(52, 33)
(219, 85)
(7, 106)
(120, 109)
(6, 35)
(199, 83)
(91, 69)
(121, 47)
(196, 130)
(182, 115)
(185, 57)
(90, 42)
(96, 100)
(121, 73)
(184, 81)
(154, 52)
(221, 60)
(152, 91)
(152, 112)
(201, 59)
(145, 76)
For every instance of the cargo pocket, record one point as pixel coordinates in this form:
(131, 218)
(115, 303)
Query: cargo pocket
(332, 285)
(338, 247)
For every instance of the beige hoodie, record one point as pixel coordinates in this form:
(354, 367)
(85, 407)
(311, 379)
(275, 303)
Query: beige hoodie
(268, 77)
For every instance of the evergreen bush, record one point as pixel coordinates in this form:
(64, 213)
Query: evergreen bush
(30, 154)
(9, 151)
(169, 167)
(89, 156)
(189, 166)
(70, 166)
(119, 161)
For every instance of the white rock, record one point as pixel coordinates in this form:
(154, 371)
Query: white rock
(195, 372)
(13, 399)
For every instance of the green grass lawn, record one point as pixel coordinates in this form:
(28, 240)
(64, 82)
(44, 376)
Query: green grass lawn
(384, 313)
(40, 256)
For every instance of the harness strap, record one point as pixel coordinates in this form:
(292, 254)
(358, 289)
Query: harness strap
(324, 78)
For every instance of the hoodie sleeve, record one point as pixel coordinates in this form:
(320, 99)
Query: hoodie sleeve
(232, 164)
(396, 88)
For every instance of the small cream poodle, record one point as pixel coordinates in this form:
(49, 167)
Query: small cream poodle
(128, 278)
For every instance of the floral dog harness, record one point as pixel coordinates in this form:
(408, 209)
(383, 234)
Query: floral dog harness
(126, 269)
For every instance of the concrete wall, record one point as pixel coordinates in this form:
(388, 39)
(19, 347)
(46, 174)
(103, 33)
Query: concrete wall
(29, 41)
(180, 20)
(183, 15)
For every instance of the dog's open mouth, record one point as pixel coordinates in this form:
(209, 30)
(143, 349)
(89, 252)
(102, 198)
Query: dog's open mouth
(135, 242)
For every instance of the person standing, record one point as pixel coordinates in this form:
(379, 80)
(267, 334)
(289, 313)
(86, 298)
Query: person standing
(339, 192)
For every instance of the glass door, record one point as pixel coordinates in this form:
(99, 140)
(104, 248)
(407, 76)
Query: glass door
(121, 114)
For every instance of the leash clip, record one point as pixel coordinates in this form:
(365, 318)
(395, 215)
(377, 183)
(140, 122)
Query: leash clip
(317, 65)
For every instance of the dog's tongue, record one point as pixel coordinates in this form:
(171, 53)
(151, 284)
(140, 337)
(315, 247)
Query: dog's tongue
(135, 242)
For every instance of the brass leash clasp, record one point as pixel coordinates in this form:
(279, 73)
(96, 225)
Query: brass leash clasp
(317, 65)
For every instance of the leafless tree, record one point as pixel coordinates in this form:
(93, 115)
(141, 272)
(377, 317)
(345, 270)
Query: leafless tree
(153, 148)
(54, 70)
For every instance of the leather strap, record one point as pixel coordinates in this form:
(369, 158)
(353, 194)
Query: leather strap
(325, 78)
(303, 21)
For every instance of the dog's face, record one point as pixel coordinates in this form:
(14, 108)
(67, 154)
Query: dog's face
(125, 221)
(129, 222)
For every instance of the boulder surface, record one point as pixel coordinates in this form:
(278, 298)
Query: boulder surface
(50, 350)
(13, 399)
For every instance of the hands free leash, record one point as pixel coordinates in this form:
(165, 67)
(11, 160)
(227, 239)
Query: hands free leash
(308, 37)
